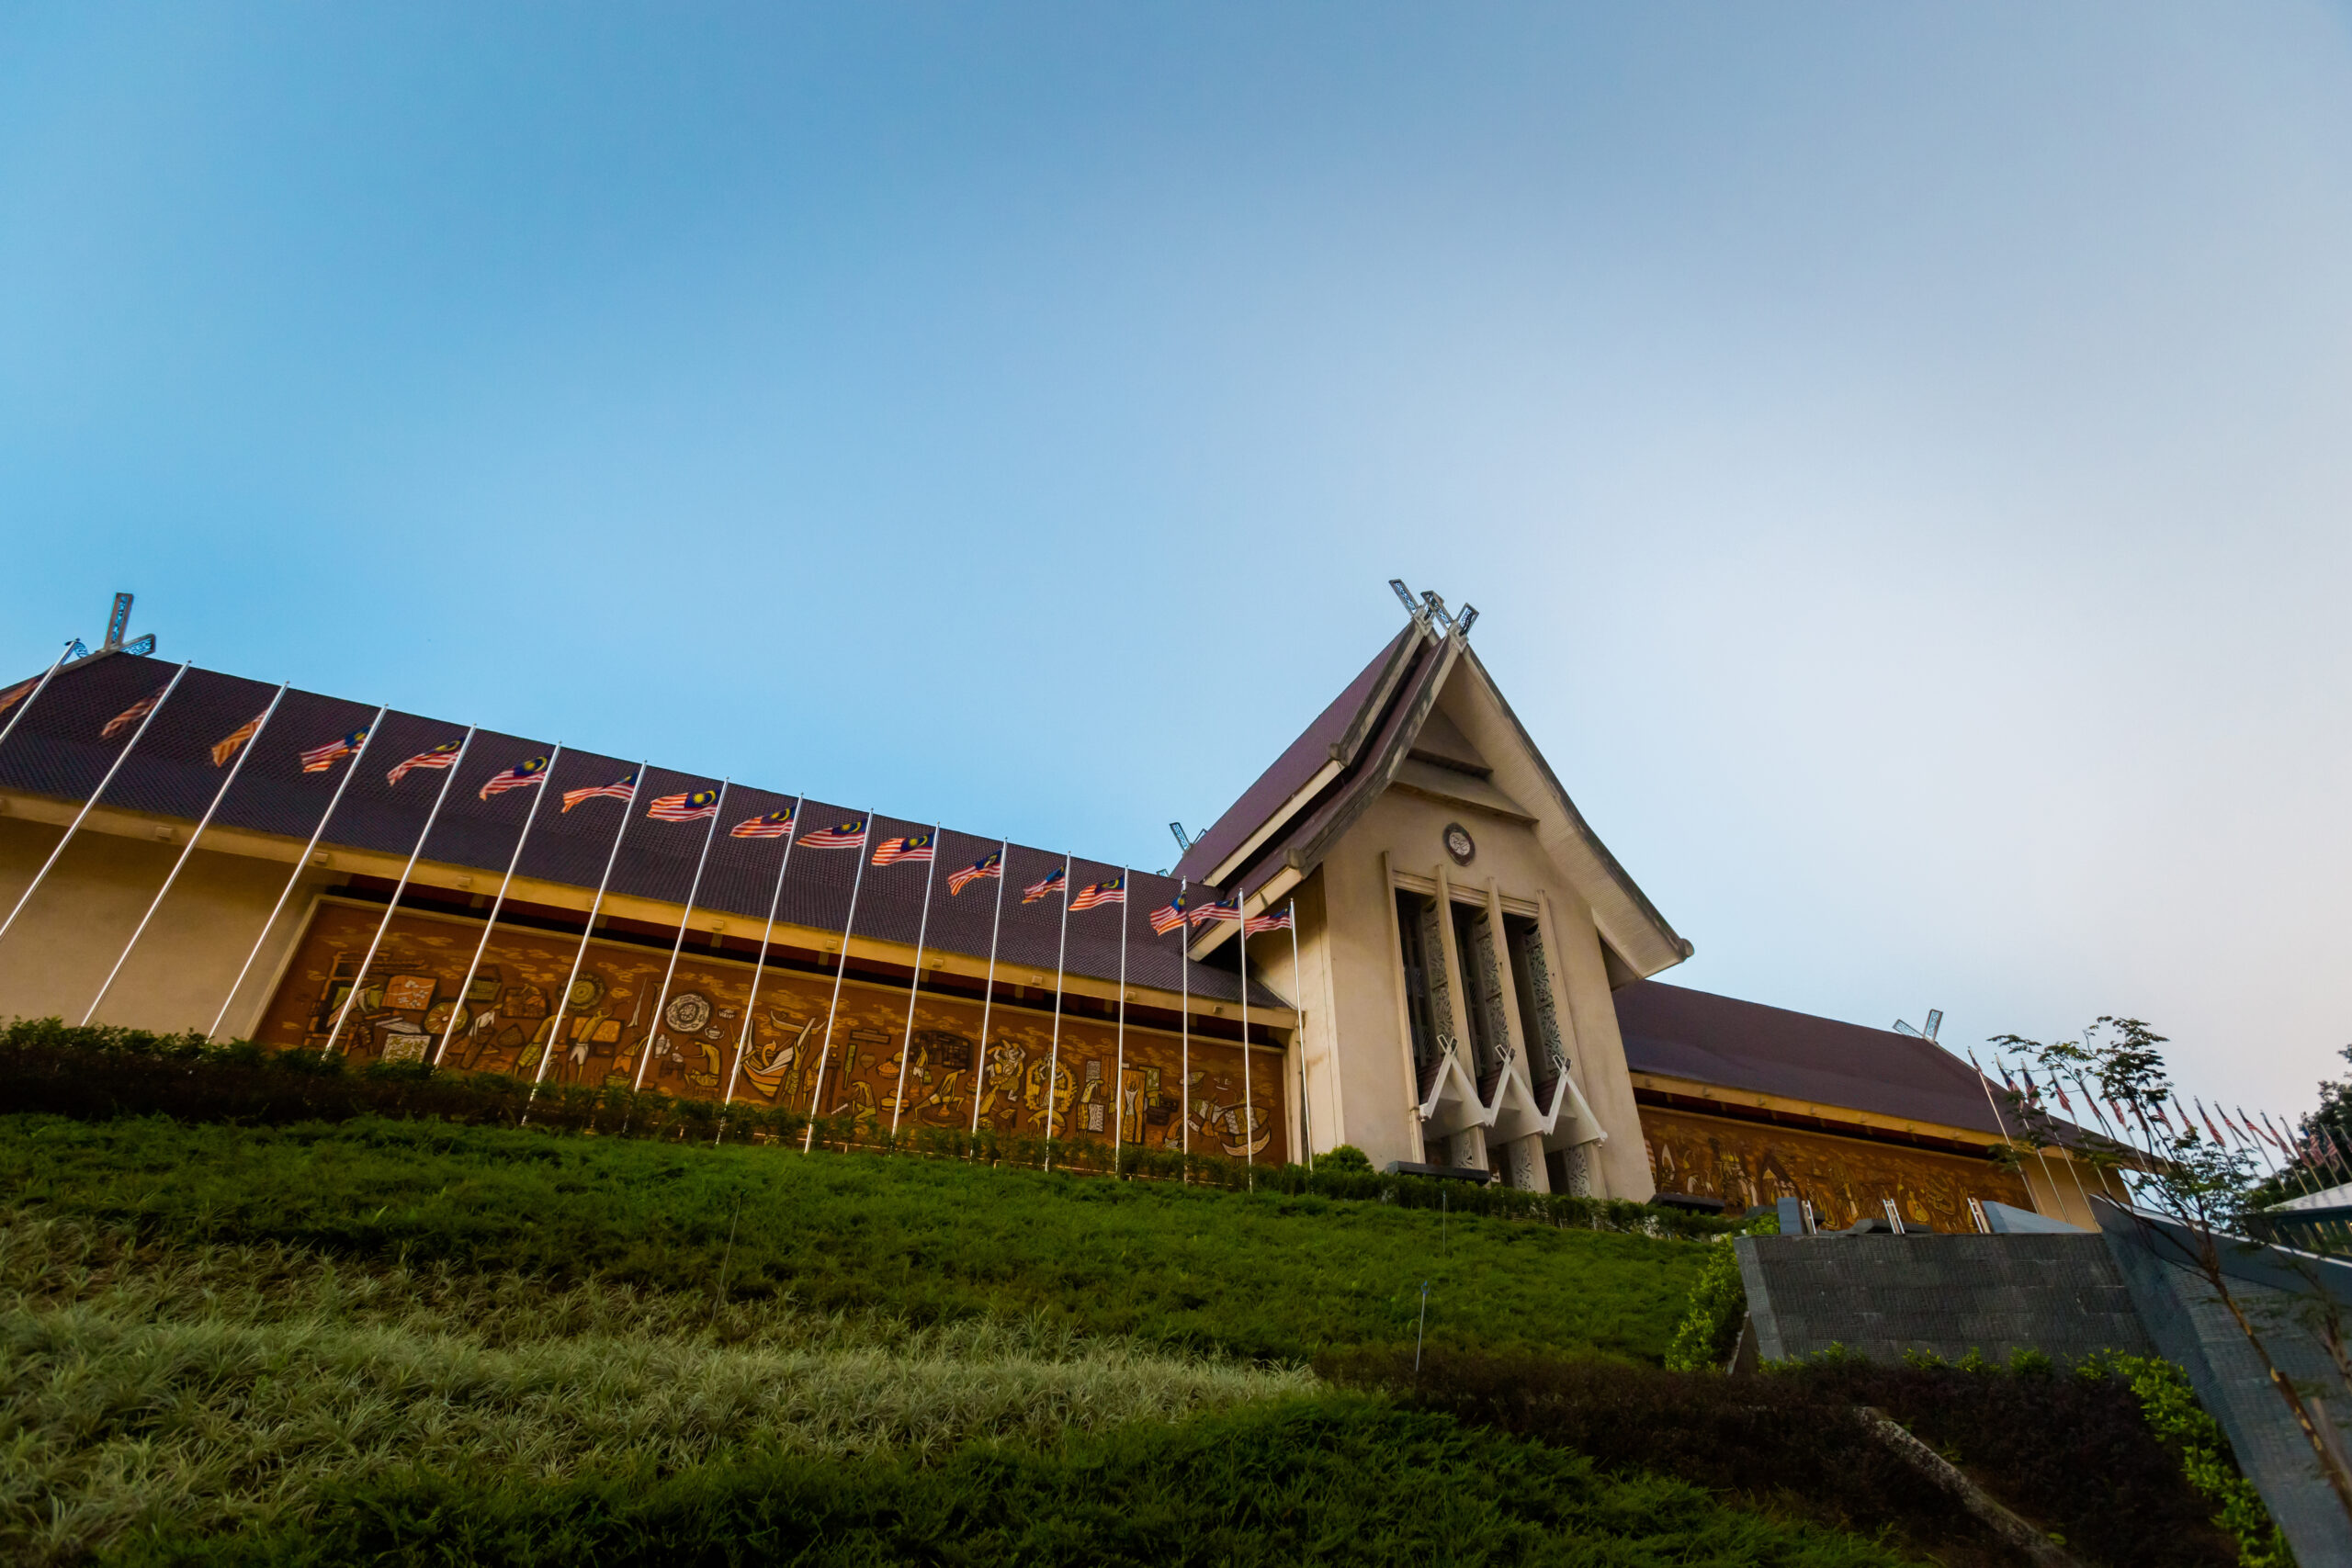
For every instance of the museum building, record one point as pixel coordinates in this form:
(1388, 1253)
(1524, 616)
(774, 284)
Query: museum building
(1403, 936)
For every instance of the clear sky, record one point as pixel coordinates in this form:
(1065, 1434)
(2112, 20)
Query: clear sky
(1903, 455)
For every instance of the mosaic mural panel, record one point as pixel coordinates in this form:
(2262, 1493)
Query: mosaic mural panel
(1751, 1165)
(610, 1028)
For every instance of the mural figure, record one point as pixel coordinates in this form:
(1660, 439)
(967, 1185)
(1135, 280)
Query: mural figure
(773, 1064)
(1004, 1078)
(1033, 1093)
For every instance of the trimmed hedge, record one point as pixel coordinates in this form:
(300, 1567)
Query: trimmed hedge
(95, 1073)
(2074, 1452)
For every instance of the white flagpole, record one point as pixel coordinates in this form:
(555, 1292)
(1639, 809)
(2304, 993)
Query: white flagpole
(751, 1003)
(988, 995)
(367, 960)
(693, 891)
(1249, 1106)
(115, 766)
(1999, 1120)
(1119, 1070)
(1054, 1053)
(1298, 1000)
(458, 1002)
(34, 695)
(849, 924)
(301, 862)
(923, 931)
(1184, 1017)
(587, 932)
(253, 743)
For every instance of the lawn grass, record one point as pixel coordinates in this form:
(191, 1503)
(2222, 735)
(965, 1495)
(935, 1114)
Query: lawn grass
(213, 1387)
(1329, 1479)
(1269, 1276)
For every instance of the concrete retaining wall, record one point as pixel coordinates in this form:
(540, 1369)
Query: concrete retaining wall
(1880, 1296)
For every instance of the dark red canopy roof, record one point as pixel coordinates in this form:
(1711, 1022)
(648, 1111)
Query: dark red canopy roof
(1676, 1033)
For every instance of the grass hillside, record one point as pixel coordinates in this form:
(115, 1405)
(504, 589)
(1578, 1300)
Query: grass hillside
(929, 1241)
(433, 1337)
(394, 1340)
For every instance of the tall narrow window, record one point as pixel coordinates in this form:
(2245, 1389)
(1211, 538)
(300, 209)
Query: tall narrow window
(1428, 1008)
(1539, 1020)
(1474, 944)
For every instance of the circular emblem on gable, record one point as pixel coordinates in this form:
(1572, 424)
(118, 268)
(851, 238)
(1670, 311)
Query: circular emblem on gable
(1459, 844)
(688, 1012)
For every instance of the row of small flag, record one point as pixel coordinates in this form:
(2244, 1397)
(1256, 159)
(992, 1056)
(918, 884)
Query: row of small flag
(695, 805)
(2258, 1133)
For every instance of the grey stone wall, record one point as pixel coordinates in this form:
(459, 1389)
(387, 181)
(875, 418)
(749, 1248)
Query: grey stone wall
(2132, 1287)
(1880, 1296)
(2284, 1296)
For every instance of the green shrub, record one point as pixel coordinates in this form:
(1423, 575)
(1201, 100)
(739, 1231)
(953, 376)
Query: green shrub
(2171, 1408)
(2072, 1454)
(1338, 1479)
(1708, 1331)
(1345, 1156)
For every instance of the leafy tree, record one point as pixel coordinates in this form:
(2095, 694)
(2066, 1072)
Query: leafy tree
(2202, 1186)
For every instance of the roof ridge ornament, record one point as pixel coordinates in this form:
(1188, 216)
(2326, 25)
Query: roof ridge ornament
(117, 624)
(1430, 613)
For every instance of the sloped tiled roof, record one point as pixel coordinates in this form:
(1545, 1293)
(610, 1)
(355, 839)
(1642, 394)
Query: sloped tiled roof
(1337, 733)
(57, 749)
(1676, 1033)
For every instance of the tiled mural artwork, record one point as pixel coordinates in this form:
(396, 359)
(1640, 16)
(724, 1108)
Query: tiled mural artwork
(1751, 1165)
(611, 1023)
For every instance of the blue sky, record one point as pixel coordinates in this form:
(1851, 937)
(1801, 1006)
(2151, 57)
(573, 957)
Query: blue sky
(1900, 453)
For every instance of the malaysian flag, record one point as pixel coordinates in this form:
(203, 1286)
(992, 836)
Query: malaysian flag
(894, 852)
(689, 805)
(1112, 892)
(2219, 1140)
(229, 744)
(774, 825)
(522, 775)
(1168, 915)
(1257, 923)
(319, 759)
(623, 788)
(1054, 881)
(2089, 1099)
(130, 716)
(442, 756)
(1212, 914)
(988, 864)
(849, 835)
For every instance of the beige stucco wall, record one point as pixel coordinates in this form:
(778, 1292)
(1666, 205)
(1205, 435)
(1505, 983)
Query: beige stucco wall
(56, 955)
(1357, 1058)
(2063, 1190)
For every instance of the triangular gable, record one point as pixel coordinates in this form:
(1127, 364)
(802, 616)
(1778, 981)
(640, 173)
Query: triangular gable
(1275, 853)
